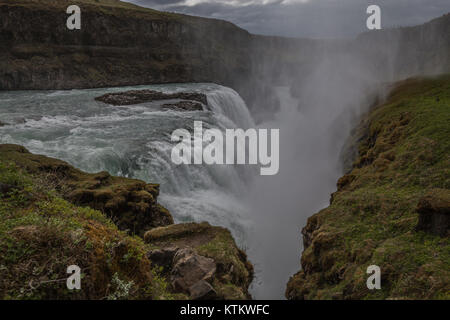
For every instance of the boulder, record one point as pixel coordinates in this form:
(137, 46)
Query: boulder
(131, 204)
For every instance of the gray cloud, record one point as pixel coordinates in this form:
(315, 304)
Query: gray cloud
(305, 18)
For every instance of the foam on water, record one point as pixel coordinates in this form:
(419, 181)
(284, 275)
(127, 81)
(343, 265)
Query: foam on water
(134, 141)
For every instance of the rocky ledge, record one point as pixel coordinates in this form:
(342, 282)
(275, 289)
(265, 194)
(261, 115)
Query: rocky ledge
(53, 215)
(195, 99)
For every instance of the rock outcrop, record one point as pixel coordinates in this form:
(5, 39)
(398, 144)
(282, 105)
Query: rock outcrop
(184, 106)
(132, 204)
(201, 261)
(141, 96)
(391, 209)
(121, 44)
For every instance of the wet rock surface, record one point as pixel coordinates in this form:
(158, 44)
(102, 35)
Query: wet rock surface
(142, 96)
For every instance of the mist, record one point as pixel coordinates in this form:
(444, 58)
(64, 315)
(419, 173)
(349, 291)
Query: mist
(325, 100)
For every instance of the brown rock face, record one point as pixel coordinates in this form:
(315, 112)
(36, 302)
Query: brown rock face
(434, 212)
(132, 204)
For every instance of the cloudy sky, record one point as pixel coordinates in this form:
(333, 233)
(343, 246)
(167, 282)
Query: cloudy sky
(305, 18)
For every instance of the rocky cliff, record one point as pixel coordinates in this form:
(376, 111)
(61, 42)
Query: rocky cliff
(54, 215)
(391, 210)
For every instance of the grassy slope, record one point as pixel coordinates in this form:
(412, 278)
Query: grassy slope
(373, 215)
(41, 234)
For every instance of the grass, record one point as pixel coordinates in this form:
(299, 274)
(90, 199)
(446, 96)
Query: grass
(41, 235)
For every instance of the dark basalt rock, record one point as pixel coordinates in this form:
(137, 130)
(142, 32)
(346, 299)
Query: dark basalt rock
(202, 290)
(141, 96)
(184, 106)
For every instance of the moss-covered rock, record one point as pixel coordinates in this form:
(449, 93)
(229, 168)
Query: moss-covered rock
(49, 221)
(402, 167)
